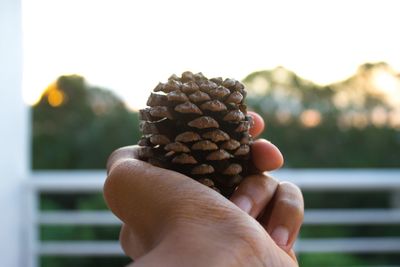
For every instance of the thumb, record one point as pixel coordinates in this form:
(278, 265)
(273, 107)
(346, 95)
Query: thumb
(149, 199)
(139, 193)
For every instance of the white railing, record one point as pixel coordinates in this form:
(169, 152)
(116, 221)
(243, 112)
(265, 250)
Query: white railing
(308, 180)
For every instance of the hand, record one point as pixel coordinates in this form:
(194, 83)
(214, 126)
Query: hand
(172, 220)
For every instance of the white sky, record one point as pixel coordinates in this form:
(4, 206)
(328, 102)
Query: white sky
(129, 46)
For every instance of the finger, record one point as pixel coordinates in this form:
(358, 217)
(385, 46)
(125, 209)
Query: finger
(266, 156)
(292, 254)
(127, 152)
(133, 188)
(258, 124)
(284, 219)
(254, 193)
(131, 243)
(132, 183)
(126, 241)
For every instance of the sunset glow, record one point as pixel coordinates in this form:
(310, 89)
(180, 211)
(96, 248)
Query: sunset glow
(129, 46)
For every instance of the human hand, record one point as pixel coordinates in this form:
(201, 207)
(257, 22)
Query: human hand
(172, 220)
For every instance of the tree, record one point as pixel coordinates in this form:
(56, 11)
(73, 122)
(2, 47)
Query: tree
(77, 126)
(353, 123)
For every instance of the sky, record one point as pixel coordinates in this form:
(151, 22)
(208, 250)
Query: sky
(129, 46)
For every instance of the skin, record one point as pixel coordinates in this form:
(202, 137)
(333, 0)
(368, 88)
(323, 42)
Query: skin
(172, 220)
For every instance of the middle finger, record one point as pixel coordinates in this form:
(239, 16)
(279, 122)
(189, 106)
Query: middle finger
(254, 193)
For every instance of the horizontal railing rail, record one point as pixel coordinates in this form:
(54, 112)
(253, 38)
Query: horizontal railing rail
(307, 179)
(312, 217)
(70, 182)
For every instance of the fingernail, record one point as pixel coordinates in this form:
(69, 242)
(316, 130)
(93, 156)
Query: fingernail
(280, 235)
(244, 203)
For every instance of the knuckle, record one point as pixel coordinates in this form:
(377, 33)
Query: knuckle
(109, 188)
(130, 245)
(113, 156)
(288, 203)
(292, 211)
(122, 152)
(290, 187)
(263, 182)
(115, 178)
(271, 179)
(291, 191)
(291, 205)
(124, 239)
(119, 166)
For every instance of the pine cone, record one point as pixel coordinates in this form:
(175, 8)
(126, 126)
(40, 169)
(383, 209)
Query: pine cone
(198, 127)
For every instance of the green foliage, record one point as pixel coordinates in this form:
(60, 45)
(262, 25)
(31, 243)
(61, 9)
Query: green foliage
(347, 200)
(329, 259)
(81, 233)
(350, 124)
(347, 260)
(75, 201)
(327, 146)
(83, 130)
(345, 231)
(78, 129)
(342, 125)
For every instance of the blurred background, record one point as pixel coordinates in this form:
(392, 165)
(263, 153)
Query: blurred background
(325, 75)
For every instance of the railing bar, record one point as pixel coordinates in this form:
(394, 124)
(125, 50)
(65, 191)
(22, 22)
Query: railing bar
(342, 179)
(78, 218)
(70, 182)
(307, 179)
(349, 245)
(312, 217)
(76, 248)
(343, 245)
(352, 216)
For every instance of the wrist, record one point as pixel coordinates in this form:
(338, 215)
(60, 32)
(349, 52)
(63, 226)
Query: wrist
(201, 246)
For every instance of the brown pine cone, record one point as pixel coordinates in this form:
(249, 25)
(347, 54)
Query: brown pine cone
(198, 127)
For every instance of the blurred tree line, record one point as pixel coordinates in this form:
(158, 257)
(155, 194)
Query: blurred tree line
(352, 123)
(77, 126)
(349, 124)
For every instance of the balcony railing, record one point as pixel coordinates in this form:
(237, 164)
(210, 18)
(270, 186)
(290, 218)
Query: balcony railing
(309, 180)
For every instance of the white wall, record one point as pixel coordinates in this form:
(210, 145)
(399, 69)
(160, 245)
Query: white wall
(13, 134)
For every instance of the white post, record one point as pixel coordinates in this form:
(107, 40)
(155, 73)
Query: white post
(13, 135)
